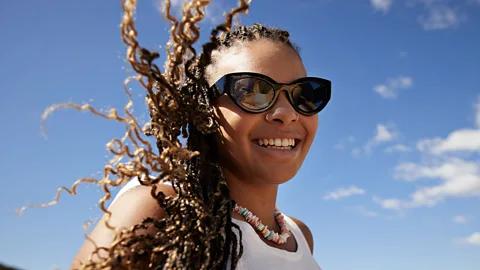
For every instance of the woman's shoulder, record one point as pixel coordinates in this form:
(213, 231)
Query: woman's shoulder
(128, 209)
(305, 231)
(136, 204)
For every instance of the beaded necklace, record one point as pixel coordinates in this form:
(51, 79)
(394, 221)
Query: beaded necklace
(257, 224)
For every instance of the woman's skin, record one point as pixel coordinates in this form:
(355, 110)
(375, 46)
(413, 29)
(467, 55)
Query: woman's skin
(253, 173)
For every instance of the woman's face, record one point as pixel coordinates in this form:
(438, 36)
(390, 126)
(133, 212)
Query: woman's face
(241, 155)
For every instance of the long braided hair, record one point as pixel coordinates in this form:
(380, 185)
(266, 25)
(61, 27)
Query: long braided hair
(197, 231)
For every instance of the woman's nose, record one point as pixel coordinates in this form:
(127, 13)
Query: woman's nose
(282, 111)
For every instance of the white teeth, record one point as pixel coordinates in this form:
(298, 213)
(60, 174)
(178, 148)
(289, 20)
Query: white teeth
(277, 142)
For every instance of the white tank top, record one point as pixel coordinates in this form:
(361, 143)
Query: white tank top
(257, 255)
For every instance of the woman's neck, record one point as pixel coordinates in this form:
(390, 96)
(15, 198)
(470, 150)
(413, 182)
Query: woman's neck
(258, 199)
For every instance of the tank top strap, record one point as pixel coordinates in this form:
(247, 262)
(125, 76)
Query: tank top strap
(299, 237)
(128, 186)
(132, 184)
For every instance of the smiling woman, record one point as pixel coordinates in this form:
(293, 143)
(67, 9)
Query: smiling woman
(250, 114)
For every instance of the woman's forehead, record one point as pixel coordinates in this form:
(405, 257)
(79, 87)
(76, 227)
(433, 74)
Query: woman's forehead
(274, 59)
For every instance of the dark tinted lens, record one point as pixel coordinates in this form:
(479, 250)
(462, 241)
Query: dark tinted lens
(253, 93)
(309, 96)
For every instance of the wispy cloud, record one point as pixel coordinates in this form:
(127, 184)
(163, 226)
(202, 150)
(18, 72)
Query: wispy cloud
(458, 178)
(383, 133)
(473, 239)
(390, 88)
(459, 219)
(397, 148)
(344, 192)
(365, 212)
(440, 14)
(456, 167)
(439, 17)
(459, 140)
(381, 5)
(435, 14)
(392, 204)
(450, 175)
(343, 143)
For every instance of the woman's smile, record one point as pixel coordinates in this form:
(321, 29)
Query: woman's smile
(279, 152)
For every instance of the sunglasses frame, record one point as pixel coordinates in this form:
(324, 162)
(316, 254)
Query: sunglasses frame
(227, 80)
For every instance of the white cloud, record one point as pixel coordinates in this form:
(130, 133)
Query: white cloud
(344, 192)
(446, 174)
(442, 175)
(398, 148)
(459, 219)
(467, 140)
(392, 204)
(452, 168)
(389, 90)
(383, 134)
(364, 212)
(442, 14)
(473, 239)
(461, 140)
(458, 178)
(439, 17)
(382, 5)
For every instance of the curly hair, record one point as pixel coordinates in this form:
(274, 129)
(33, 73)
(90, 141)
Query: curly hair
(197, 231)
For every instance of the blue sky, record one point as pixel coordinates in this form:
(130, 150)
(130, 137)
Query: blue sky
(392, 180)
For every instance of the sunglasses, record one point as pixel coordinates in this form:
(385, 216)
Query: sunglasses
(256, 93)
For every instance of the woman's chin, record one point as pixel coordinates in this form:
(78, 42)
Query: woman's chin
(278, 177)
